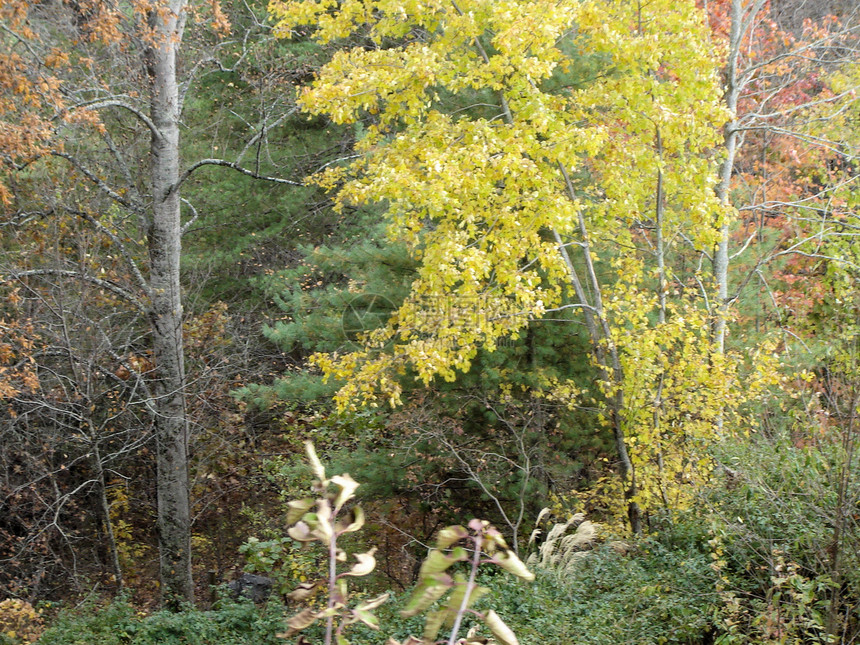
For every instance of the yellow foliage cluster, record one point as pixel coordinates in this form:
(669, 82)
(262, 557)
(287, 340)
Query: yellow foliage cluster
(20, 622)
(675, 390)
(17, 341)
(129, 548)
(535, 166)
(491, 186)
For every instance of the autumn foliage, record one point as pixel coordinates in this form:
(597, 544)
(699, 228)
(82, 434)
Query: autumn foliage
(594, 257)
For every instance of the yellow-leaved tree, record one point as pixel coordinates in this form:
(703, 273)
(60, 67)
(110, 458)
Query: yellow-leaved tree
(576, 172)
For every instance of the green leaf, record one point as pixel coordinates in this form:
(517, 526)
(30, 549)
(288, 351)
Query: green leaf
(367, 618)
(426, 593)
(373, 603)
(434, 624)
(436, 561)
(455, 600)
(341, 593)
(450, 535)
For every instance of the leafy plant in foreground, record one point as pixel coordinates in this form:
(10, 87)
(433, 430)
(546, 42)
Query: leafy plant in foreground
(438, 578)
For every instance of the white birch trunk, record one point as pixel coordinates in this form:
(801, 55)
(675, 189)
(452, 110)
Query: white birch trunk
(174, 517)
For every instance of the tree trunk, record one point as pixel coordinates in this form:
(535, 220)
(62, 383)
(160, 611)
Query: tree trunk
(174, 517)
(843, 510)
(721, 253)
(608, 360)
(113, 549)
(740, 24)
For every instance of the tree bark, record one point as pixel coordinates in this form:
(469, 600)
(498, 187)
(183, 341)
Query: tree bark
(733, 89)
(609, 362)
(174, 516)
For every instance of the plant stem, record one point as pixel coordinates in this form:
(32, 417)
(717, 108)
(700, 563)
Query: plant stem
(476, 560)
(332, 578)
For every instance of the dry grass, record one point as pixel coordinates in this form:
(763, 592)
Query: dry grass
(565, 543)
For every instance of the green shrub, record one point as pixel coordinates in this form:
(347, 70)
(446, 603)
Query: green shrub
(773, 519)
(657, 593)
(117, 623)
(112, 624)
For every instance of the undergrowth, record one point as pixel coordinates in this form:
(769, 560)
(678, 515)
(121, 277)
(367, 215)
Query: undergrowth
(119, 623)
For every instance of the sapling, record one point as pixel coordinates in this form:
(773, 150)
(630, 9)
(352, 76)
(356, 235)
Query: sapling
(480, 543)
(326, 525)
(485, 545)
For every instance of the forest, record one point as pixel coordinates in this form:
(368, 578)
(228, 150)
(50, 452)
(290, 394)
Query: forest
(429, 321)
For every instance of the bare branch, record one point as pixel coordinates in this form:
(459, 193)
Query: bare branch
(264, 129)
(744, 247)
(194, 216)
(818, 141)
(107, 190)
(132, 265)
(803, 106)
(77, 275)
(112, 102)
(228, 164)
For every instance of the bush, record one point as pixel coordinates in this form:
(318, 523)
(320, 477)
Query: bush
(658, 593)
(19, 622)
(117, 623)
(774, 519)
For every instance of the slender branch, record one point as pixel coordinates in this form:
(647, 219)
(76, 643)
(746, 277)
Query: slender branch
(744, 247)
(77, 275)
(509, 118)
(819, 256)
(804, 106)
(212, 60)
(25, 42)
(120, 160)
(334, 161)
(659, 216)
(571, 306)
(107, 190)
(470, 584)
(827, 144)
(194, 216)
(23, 217)
(694, 246)
(132, 265)
(98, 104)
(228, 164)
(264, 129)
(794, 53)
